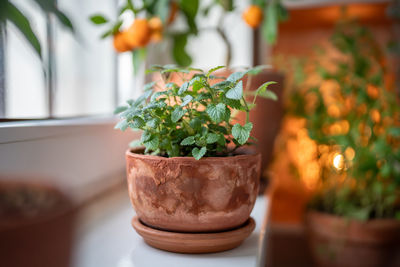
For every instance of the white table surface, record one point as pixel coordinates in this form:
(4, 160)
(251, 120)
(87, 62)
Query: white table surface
(107, 239)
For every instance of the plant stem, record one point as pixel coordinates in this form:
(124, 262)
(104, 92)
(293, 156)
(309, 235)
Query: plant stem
(247, 110)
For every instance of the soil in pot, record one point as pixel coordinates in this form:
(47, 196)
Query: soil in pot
(182, 194)
(335, 241)
(36, 225)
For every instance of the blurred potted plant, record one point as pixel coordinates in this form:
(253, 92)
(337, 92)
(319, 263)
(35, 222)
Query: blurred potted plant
(353, 220)
(192, 175)
(36, 224)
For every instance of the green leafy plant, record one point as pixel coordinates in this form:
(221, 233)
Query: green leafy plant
(194, 118)
(10, 13)
(357, 117)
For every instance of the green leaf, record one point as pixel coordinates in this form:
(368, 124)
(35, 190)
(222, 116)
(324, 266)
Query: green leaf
(236, 92)
(162, 9)
(152, 144)
(177, 114)
(188, 141)
(234, 77)
(120, 109)
(222, 85)
(214, 69)
(199, 153)
(270, 25)
(233, 103)
(153, 123)
(283, 14)
(122, 125)
(149, 86)
(98, 19)
(65, 21)
(186, 100)
(22, 23)
(395, 131)
(257, 69)
(212, 138)
(216, 112)
(385, 170)
(242, 133)
(264, 87)
(226, 4)
(146, 136)
(136, 122)
(183, 88)
(116, 27)
(189, 9)
(179, 53)
(135, 143)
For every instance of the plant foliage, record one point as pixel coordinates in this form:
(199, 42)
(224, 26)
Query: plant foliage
(194, 118)
(356, 115)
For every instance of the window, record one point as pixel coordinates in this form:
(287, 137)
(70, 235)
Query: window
(87, 76)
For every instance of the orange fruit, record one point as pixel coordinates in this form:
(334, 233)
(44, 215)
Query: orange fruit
(372, 91)
(156, 36)
(155, 24)
(253, 16)
(138, 34)
(120, 43)
(173, 10)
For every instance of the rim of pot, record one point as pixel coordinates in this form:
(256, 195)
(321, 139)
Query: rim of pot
(243, 153)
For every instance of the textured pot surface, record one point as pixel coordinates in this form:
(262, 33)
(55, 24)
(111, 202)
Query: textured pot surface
(185, 195)
(336, 241)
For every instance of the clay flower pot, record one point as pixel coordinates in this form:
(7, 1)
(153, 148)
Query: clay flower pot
(336, 241)
(182, 194)
(36, 225)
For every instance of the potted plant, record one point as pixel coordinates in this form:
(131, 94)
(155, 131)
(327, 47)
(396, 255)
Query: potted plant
(36, 224)
(192, 174)
(353, 219)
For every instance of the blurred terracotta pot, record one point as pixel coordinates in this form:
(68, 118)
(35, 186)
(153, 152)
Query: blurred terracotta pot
(186, 195)
(336, 241)
(36, 225)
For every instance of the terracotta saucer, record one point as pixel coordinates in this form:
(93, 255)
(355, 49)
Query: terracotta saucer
(194, 242)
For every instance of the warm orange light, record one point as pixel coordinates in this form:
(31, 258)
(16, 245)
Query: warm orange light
(338, 161)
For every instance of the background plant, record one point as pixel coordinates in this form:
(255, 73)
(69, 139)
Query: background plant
(146, 11)
(10, 13)
(194, 118)
(355, 121)
(165, 11)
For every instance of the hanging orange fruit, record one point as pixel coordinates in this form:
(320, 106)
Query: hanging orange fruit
(120, 43)
(253, 16)
(138, 34)
(155, 24)
(156, 36)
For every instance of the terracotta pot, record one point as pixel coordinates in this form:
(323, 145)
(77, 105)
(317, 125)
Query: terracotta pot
(336, 241)
(42, 238)
(186, 195)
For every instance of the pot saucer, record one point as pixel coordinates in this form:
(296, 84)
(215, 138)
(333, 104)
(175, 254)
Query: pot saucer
(193, 242)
